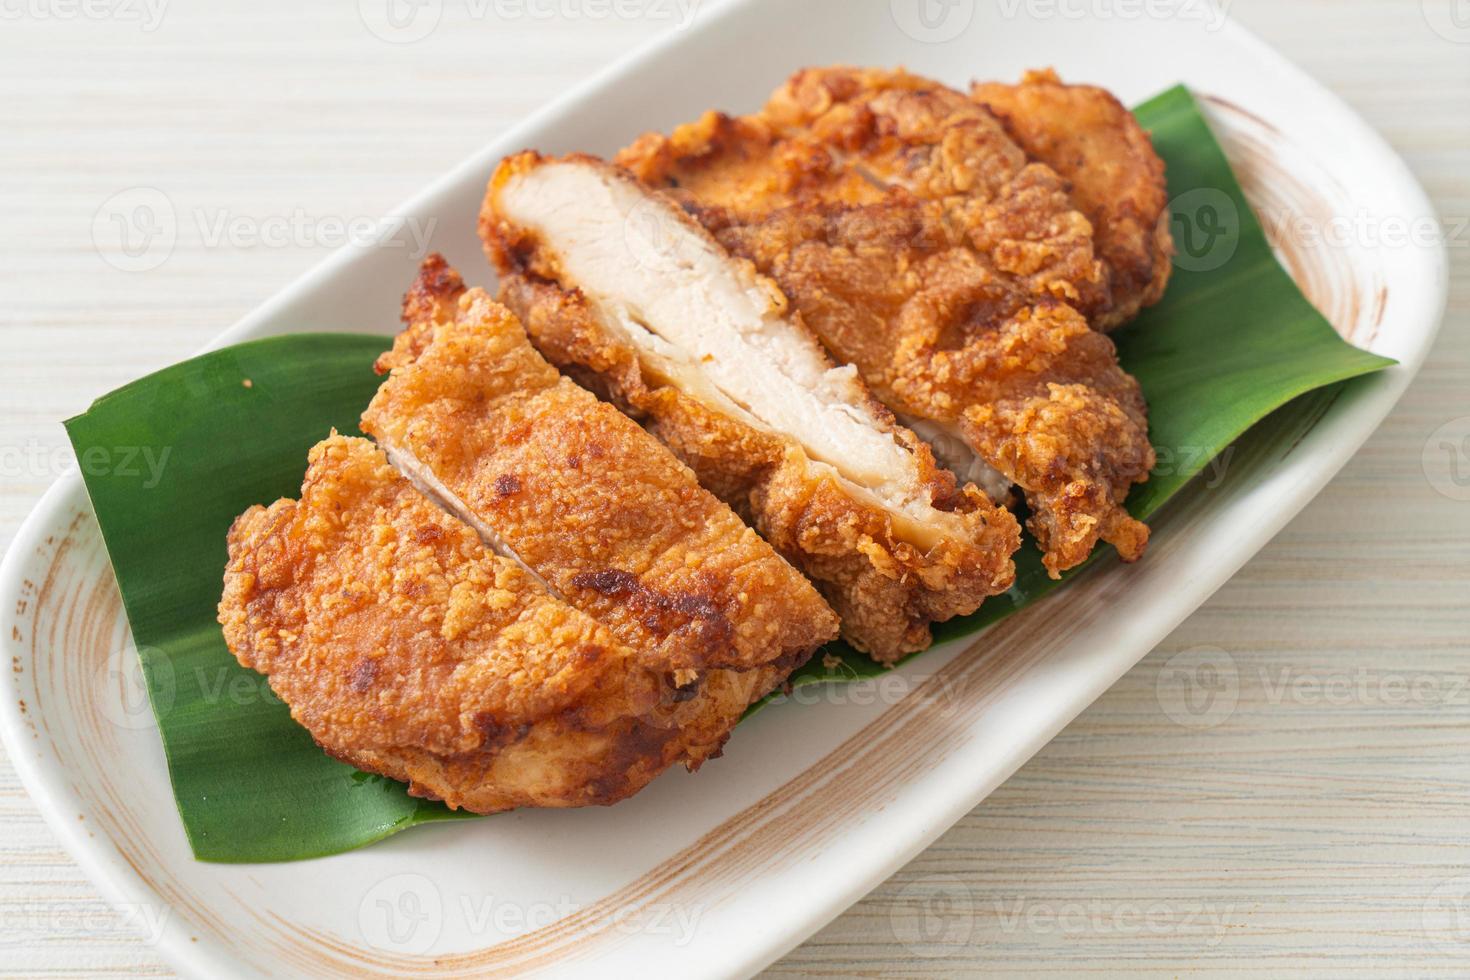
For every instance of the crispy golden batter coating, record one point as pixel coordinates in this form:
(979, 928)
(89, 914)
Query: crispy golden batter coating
(1088, 137)
(606, 516)
(409, 649)
(1042, 430)
(919, 243)
(852, 139)
(886, 590)
(888, 578)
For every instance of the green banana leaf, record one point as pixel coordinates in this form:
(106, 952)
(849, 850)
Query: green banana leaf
(231, 428)
(225, 431)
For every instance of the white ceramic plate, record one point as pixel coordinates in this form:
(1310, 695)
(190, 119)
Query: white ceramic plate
(719, 873)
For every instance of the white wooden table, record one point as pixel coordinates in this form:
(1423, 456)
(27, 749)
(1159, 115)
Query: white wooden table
(1322, 827)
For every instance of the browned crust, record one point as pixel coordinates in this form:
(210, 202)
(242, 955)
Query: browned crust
(858, 138)
(587, 499)
(1085, 134)
(429, 300)
(408, 649)
(886, 590)
(917, 240)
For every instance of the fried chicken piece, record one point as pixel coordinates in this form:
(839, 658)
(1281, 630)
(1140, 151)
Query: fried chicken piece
(618, 283)
(407, 648)
(917, 241)
(581, 495)
(853, 139)
(1088, 137)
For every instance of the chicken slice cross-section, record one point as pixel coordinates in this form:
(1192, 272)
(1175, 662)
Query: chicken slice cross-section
(408, 648)
(580, 494)
(618, 286)
(922, 246)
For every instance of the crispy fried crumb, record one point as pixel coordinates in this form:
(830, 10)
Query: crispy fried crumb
(920, 243)
(1088, 137)
(583, 495)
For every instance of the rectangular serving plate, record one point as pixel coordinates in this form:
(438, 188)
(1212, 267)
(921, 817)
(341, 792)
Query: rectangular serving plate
(813, 804)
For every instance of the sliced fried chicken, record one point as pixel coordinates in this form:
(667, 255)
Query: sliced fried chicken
(592, 504)
(408, 648)
(1088, 137)
(916, 239)
(619, 286)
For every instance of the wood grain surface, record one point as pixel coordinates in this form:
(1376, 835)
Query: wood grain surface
(1315, 820)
